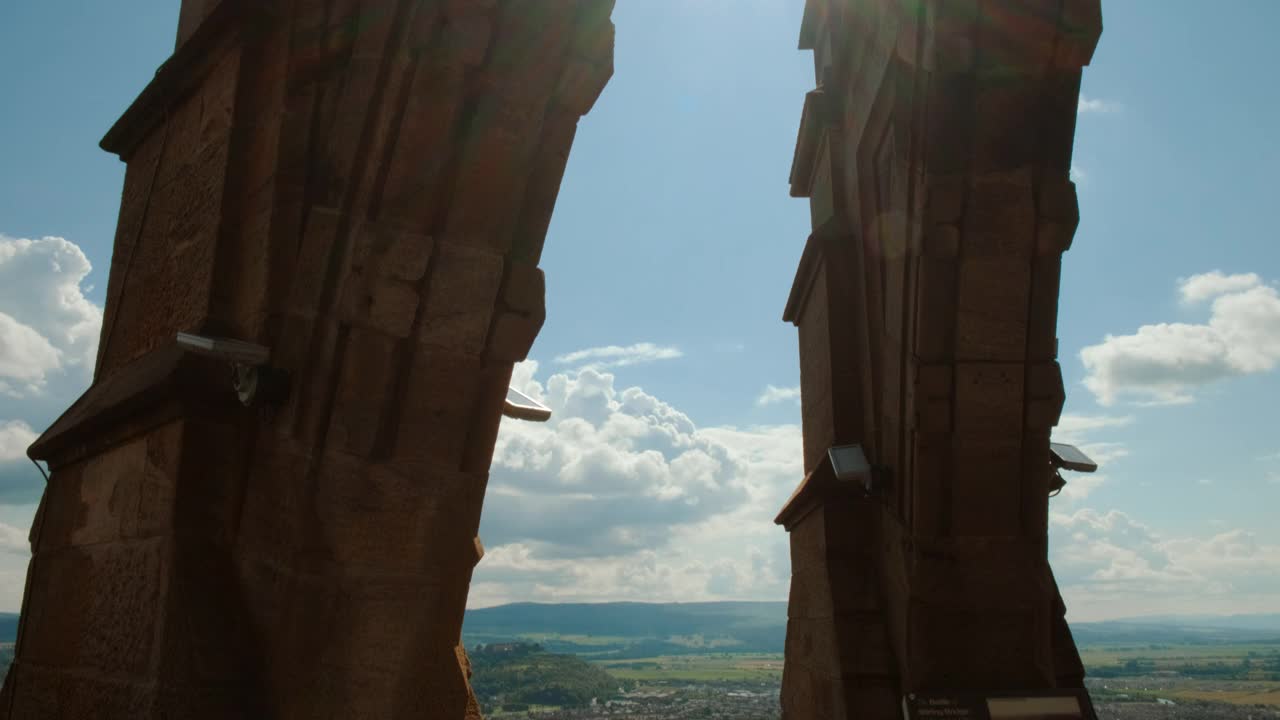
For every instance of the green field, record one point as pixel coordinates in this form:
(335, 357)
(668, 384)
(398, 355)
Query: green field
(703, 649)
(1239, 694)
(1148, 689)
(1231, 659)
(711, 667)
(586, 641)
(1164, 656)
(1239, 673)
(521, 713)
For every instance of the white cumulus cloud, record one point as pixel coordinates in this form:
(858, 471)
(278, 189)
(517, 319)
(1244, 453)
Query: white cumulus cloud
(1082, 431)
(26, 357)
(48, 343)
(47, 325)
(1109, 548)
(621, 496)
(20, 482)
(14, 554)
(1076, 428)
(613, 356)
(1095, 105)
(1165, 363)
(613, 470)
(1109, 564)
(15, 436)
(773, 395)
(13, 540)
(1205, 286)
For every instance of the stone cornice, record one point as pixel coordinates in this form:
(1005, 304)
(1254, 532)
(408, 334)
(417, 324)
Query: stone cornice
(809, 25)
(819, 487)
(815, 252)
(813, 123)
(159, 386)
(181, 73)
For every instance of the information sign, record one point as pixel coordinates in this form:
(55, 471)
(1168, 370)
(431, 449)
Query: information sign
(1063, 704)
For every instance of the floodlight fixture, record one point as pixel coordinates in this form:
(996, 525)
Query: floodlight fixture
(1069, 457)
(522, 407)
(850, 464)
(237, 352)
(1066, 457)
(251, 377)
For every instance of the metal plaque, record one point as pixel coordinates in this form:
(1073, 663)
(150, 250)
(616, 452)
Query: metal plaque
(1061, 704)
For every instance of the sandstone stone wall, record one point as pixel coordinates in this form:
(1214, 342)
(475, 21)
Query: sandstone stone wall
(935, 152)
(363, 186)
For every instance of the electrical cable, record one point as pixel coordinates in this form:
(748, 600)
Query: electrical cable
(42, 472)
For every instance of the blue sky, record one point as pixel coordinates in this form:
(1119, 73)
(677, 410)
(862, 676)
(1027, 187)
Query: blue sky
(675, 242)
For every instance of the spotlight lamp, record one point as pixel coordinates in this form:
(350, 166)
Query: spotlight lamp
(1066, 457)
(252, 378)
(850, 464)
(522, 407)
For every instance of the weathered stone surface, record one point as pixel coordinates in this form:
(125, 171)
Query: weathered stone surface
(360, 400)
(953, 110)
(48, 693)
(459, 303)
(365, 187)
(112, 631)
(345, 183)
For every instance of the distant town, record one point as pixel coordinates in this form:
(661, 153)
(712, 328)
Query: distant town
(724, 661)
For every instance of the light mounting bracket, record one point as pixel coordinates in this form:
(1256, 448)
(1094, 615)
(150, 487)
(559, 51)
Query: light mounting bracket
(252, 377)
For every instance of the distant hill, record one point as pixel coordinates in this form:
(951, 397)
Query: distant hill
(8, 636)
(1268, 621)
(604, 630)
(1147, 632)
(627, 618)
(627, 629)
(513, 676)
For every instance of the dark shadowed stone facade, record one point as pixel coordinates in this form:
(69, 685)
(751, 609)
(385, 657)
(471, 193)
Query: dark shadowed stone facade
(935, 153)
(362, 186)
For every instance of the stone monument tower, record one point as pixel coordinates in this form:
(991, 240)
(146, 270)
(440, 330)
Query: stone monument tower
(355, 193)
(361, 187)
(935, 153)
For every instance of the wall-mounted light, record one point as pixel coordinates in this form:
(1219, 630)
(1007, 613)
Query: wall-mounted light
(1066, 457)
(522, 407)
(251, 377)
(850, 464)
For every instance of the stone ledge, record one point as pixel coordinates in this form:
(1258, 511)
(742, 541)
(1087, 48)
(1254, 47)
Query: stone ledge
(818, 488)
(153, 389)
(814, 120)
(814, 255)
(180, 74)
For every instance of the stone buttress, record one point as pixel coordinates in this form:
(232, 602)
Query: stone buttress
(362, 186)
(935, 153)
